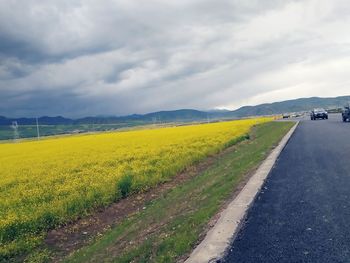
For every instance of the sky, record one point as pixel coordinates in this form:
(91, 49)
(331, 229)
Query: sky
(115, 57)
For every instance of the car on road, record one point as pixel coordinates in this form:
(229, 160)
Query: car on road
(286, 116)
(346, 113)
(318, 114)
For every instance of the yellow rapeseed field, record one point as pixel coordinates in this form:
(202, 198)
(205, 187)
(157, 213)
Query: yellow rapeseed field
(46, 183)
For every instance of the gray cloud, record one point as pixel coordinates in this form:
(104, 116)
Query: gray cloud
(77, 58)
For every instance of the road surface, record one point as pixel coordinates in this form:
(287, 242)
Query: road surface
(303, 211)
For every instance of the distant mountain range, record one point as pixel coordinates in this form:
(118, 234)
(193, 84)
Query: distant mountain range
(187, 115)
(297, 105)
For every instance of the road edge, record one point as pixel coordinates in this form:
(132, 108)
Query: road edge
(218, 238)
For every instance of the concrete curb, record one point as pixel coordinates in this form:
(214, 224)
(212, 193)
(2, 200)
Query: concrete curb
(217, 240)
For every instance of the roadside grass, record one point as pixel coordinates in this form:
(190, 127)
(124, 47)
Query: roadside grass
(169, 227)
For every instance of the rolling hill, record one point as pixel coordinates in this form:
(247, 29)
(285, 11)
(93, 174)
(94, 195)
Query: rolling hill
(297, 105)
(187, 115)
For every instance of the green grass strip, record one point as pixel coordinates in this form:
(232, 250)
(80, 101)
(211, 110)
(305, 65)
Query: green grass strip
(170, 226)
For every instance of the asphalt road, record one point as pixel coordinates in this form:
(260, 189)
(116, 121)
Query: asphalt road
(303, 212)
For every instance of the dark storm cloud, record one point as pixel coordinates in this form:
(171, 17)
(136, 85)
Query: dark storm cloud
(76, 58)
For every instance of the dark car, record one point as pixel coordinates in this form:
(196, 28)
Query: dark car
(346, 113)
(318, 114)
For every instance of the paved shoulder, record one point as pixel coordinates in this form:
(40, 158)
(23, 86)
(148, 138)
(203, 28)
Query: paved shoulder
(302, 214)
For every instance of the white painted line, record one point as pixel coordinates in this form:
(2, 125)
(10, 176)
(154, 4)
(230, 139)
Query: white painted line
(217, 240)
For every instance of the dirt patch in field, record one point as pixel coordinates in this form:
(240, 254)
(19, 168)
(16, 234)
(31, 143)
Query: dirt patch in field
(64, 240)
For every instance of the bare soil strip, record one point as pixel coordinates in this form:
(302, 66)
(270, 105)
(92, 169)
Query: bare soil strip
(66, 239)
(166, 222)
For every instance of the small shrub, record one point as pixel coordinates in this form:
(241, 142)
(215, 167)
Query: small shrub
(124, 185)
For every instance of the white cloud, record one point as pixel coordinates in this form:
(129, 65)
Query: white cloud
(122, 57)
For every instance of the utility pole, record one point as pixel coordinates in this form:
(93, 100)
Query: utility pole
(37, 128)
(14, 126)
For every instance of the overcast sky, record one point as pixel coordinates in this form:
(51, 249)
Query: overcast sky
(92, 57)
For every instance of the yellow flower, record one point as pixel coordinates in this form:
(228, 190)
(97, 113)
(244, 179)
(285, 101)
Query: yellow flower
(44, 183)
